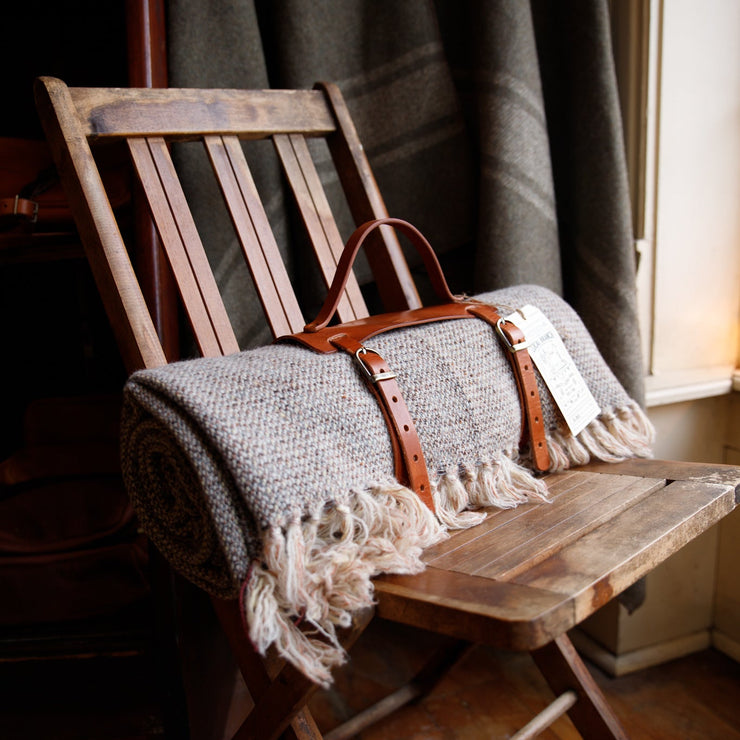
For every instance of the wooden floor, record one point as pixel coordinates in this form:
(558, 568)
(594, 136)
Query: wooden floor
(488, 694)
(492, 694)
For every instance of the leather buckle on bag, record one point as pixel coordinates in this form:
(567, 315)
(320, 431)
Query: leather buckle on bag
(372, 377)
(507, 341)
(21, 208)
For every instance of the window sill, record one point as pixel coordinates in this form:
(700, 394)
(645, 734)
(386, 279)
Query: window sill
(690, 385)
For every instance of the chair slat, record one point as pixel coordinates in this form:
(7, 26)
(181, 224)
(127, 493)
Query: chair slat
(579, 578)
(255, 235)
(124, 303)
(477, 609)
(460, 540)
(185, 113)
(604, 562)
(183, 247)
(397, 288)
(485, 554)
(317, 217)
(556, 527)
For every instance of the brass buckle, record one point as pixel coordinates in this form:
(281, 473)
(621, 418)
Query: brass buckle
(371, 377)
(35, 216)
(511, 347)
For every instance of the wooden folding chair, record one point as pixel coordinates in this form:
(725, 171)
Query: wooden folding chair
(522, 578)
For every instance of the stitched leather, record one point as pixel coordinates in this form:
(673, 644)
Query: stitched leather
(529, 395)
(409, 464)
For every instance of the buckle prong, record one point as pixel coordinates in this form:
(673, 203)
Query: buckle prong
(372, 377)
(511, 347)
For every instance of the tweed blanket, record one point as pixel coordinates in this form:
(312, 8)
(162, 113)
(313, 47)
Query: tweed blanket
(271, 470)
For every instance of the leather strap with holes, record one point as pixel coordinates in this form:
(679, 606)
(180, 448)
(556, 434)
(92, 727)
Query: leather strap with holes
(321, 336)
(409, 464)
(529, 395)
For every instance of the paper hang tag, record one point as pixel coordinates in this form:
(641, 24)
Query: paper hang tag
(556, 366)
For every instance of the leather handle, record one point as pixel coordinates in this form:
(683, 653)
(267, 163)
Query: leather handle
(346, 261)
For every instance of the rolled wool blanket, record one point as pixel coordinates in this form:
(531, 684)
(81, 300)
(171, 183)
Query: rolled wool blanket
(271, 470)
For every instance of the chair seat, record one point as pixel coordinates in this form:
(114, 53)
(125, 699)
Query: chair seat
(526, 575)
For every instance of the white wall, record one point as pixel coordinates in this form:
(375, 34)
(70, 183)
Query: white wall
(697, 199)
(696, 280)
(686, 89)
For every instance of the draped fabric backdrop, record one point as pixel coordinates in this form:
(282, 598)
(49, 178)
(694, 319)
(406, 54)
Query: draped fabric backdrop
(492, 125)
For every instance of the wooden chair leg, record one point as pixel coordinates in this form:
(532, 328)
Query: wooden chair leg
(167, 657)
(564, 670)
(278, 706)
(302, 727)
(279, 690)
(217, 699)
(419, 686)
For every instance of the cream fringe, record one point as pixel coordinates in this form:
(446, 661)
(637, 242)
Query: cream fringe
(615, 435)
(502, 483)
(317, 570)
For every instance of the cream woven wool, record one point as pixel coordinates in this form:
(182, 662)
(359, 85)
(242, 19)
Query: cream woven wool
(273, 468)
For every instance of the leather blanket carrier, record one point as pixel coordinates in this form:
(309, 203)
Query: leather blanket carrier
(291, 475)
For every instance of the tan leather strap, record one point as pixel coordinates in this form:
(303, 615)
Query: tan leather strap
(529, 395)
(319, 336)
(19, 207)
(327, 339)
(344, 267)
(361, 330)
(409, 464)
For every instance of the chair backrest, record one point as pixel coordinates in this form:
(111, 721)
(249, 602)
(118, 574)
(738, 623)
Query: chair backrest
(148, 120)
